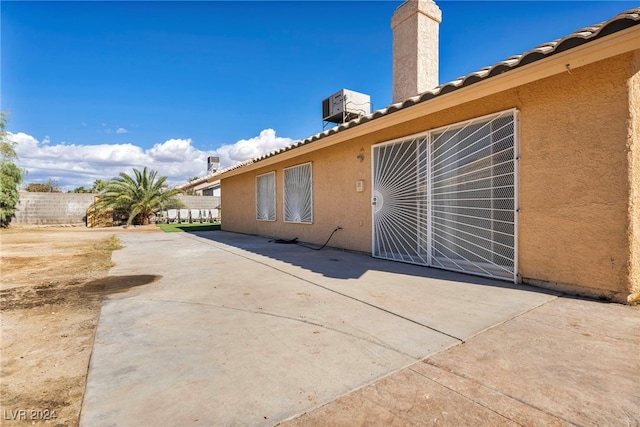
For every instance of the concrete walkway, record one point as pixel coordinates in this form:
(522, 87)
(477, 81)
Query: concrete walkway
(227, 329)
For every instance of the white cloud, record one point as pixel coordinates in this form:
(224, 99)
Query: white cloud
(246, 149)
(121, 130)
(46, 140)
(74, 165)
(174, 150)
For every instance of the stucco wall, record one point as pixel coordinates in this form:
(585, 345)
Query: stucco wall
(573, 179)
(335, 200)
(634, 179)
(574, 182)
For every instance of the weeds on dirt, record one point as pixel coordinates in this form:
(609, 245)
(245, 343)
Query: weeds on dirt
(100, 257)
(54, 280)
(64, 287)
(111, 243)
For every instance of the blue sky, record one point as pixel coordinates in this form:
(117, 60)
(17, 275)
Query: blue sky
(96, 88)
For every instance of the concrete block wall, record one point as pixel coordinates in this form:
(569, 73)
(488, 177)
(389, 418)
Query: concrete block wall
(200, 202)
(52, 208)
(71, 208)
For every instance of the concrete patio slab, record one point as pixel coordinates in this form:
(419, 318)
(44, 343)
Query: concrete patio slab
(569, 362)
(238, 330)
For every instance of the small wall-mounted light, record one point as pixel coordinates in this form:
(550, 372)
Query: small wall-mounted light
(360, 155)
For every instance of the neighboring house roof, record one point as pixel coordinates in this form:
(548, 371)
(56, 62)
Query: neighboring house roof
(199, 184)
(620, 22)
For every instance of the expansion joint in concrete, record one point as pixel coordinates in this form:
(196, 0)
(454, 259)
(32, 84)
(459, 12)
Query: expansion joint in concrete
(262, 312)
(464, 396)
(485, 386)
(331, 290)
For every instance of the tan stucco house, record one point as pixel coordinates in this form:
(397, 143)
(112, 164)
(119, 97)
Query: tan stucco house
(527, 171)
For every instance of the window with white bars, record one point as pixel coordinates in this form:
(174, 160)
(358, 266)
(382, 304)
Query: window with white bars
(298, 194)
(266, 197)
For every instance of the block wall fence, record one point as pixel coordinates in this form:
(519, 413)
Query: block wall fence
(71, 208)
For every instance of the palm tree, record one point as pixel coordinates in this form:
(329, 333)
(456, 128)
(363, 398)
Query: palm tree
(141, 194)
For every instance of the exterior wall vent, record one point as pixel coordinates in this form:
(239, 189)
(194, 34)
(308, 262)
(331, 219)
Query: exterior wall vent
(344, 106)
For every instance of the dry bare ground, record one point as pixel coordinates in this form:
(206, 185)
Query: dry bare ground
(52, 283)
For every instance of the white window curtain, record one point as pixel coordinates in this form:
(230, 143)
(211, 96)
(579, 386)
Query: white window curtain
(266, 197)
(298, 194)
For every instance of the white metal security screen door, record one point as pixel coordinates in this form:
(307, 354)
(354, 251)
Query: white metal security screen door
(447, 198)
(399, 201)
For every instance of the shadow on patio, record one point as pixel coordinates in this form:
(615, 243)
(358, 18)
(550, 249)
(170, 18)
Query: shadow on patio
(341, 264)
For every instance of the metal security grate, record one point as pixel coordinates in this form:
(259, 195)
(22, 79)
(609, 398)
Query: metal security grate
(473, 197)
(447, 199)
(399, 228)
(266, 197)
(298, 195)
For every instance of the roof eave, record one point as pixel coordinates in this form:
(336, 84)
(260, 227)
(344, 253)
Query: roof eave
(596, 50)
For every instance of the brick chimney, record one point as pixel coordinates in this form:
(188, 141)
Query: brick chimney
(415, 48)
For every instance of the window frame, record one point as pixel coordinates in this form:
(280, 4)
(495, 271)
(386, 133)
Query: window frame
(285, 196)
(272, 209)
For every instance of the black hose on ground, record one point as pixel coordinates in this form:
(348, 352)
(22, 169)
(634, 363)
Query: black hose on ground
(295, 241)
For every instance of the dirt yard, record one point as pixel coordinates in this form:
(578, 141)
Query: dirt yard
(52, 283)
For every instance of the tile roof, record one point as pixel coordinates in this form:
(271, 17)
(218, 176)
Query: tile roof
(618, 23)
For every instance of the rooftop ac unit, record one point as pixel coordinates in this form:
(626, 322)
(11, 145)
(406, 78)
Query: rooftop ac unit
(213, 164)
(345, 105)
